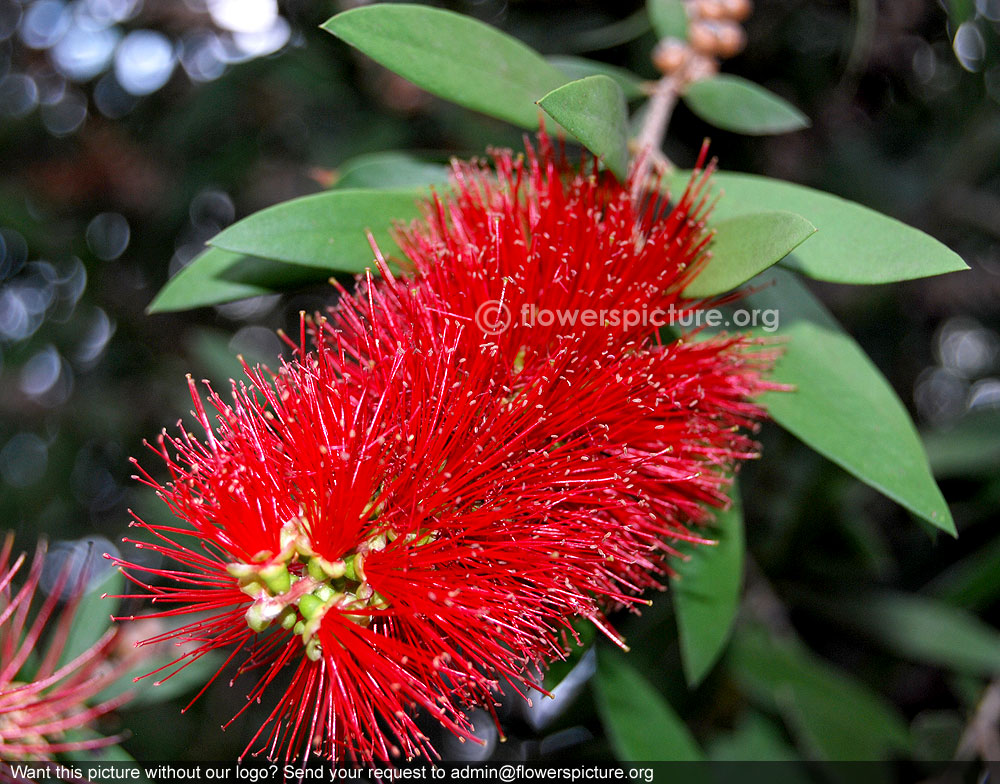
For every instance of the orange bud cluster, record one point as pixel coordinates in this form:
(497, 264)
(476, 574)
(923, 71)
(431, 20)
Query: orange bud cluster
(715, 32)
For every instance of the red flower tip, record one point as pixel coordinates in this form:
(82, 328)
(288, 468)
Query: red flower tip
(39, 711)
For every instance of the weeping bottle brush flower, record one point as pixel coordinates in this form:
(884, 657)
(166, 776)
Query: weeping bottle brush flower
(46, 695)
(414, 508)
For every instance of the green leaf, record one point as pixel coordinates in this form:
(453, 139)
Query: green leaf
(841, 405)
(616, 33)
(452, 56)
(707, 592)
(834, 716)
(326, 230)
(216, 276)
(159, 688)
(970, 448)
(560, 668)
(853, 245)
(669, 18)
(580, 67)
(755, 739)
(639, 722)
(92, 616)
(960, 11)
(972, 582)
(922, 629)
(747, 245)
(593, 109)
(390, 170)
(736, 104)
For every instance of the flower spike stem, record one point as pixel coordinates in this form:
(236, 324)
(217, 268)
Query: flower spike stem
(649, 143)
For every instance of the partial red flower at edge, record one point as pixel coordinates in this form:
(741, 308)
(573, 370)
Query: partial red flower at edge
(37, 714)
(414, 509)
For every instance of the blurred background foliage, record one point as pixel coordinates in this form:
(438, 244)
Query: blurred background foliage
(131, 132)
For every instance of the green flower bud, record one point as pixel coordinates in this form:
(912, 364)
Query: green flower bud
(256, 618)
(310, 606)
(277, 578)
(313, 650)
(288, 618)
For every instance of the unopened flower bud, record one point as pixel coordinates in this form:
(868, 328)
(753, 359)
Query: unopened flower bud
(709, 9)
(257, 619)
(313, 650)
(702, 37)
(321, 569)
(324, 593)
(731, 39)
(288, 618)
(737, 10)
(310, 606)
(276, 578)
(354, 567)
(670, 55)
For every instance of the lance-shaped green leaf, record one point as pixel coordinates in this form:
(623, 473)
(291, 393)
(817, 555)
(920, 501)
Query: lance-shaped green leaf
(756, 739)
(668, 17)
(922, 629)
(390, 170)
(972, 582)
(706, 592)
(841, 405)
(736, 104)
(639, 721)
(853, 245)
(452, 56)
(834, 716)
(747, 245)
(580, 67)
(593, 109)
(149, 689)
(216, 276)
(326, 230)
(970, 448)
(92, 615)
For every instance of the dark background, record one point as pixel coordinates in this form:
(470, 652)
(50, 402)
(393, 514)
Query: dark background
(130, 133)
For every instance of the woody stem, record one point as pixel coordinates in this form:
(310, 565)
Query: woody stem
(649, 143)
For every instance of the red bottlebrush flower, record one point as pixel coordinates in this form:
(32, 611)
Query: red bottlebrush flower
(416, 508)
(39, 709)
(564, 282)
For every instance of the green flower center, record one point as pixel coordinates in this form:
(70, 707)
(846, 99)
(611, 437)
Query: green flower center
(296, 587)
